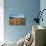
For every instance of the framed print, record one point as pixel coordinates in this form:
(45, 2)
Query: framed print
(16, 21)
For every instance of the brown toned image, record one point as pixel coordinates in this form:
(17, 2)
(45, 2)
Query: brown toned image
(20, 21)
(16, 21)
(12, 21)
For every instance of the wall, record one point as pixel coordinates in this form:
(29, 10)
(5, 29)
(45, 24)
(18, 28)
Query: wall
(43, 6)
(17, 7)
(1, 21)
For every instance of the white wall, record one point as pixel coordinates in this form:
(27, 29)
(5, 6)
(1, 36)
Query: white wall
(1, 21)
(43, 6)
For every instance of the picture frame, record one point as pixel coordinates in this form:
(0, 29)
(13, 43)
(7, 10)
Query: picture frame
(16, 21)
